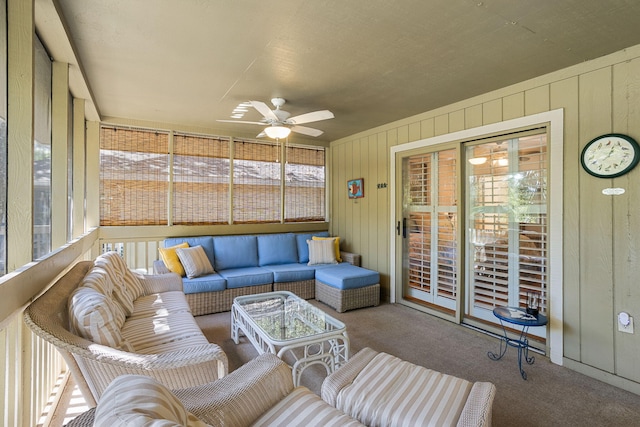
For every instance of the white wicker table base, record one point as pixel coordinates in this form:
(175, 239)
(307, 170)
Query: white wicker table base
(327, 346)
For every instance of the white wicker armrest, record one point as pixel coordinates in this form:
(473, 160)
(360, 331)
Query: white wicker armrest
(344, 376)
(241, 397)
(156, 283)
(477, 411)
(176, 369)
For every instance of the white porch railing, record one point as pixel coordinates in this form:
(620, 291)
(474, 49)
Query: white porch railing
(139, 254)
(30, 367)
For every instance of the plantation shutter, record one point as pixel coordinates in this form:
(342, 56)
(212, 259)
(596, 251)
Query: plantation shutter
(419, 249)
(304, 185)
(133, 177)
(432, 255)
(201, 168)
(508, 221)
(447, 220)
(256, 182)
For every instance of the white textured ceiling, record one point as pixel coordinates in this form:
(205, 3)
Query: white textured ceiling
(370, 62)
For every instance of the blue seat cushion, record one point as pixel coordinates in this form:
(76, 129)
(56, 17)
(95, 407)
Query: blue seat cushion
(247, 276)
(347, 276)
(235, 252)
(209, 283)
(323, 266)
(303, 248)
(205, 241)
(294, 272)
(277, 249)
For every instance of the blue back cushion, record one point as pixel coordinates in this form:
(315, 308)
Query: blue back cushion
(277, 249)
(205, 241)
(235, 252)
(303, 248)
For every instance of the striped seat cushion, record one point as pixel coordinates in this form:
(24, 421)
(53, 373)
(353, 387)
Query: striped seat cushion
(162, 333)
(158, 305)
(390, 391)
(302, 407)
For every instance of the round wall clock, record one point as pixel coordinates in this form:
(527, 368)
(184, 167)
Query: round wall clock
(610, 155)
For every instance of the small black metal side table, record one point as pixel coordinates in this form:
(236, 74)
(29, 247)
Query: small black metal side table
(516, 316)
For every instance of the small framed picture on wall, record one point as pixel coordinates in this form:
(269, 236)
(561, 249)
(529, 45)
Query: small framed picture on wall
(355, 188)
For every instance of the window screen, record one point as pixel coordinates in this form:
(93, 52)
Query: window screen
(200, 180)
(304, 184)
(133, 177)
(256, 182)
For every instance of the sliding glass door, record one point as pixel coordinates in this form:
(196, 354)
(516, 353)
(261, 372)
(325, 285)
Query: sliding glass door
(506, 223)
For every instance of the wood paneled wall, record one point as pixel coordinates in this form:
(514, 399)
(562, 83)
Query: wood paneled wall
(601, 233)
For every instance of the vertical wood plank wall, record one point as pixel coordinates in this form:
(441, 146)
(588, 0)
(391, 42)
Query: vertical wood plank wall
(601, 233)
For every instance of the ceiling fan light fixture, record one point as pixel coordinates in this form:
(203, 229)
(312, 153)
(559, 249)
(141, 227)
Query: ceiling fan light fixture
(477, 160)
(277, 132)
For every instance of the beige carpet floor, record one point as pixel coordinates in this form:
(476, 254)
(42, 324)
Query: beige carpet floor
(551, 396)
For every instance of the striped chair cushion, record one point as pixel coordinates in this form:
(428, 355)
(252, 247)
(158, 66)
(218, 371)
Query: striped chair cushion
(302, 407)
(160, 304)
(162, 333)
(390, 391)
(121, 295)
(127, 285)
(98, 279)
(91, 316)
(136, 400)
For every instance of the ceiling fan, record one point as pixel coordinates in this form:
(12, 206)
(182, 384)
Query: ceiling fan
(280, 124)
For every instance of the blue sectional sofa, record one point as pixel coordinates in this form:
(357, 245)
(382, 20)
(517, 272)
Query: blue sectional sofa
(251, 264)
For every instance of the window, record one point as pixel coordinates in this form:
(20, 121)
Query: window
(256, 182)
(207, 180)
(304, 184)
(200, 180)
(134, 176)
(42, 153)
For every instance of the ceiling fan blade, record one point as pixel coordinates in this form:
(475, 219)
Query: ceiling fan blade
(241, 121)
(307, 131)
(261, 135)
(264, 110)
(314, 116)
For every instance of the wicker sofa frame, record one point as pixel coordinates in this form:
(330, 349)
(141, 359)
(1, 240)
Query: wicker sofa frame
(94, 366)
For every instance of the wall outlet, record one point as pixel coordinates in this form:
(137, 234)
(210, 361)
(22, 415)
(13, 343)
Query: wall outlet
(628, 328)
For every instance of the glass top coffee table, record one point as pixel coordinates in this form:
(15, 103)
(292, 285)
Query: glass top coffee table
(283, 323)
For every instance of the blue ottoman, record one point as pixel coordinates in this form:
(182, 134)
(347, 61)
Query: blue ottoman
(347, 287)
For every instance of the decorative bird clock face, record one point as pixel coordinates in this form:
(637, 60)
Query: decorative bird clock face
(610, 155)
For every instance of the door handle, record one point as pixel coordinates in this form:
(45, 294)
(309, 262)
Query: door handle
(404, 228)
